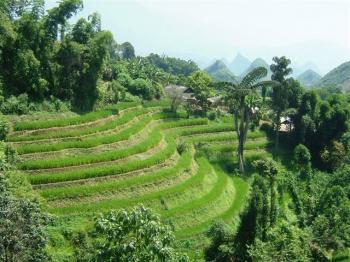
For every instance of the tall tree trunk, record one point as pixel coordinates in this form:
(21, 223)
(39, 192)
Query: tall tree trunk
(273, 210)
(242, 131)
(240, 141)
(278, 126)
(240, 155)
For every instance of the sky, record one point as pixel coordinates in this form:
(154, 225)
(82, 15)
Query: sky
(306, 31)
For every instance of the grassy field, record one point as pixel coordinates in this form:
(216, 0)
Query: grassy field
(130, 154)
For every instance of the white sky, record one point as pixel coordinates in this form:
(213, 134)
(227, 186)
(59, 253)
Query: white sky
(315, 31)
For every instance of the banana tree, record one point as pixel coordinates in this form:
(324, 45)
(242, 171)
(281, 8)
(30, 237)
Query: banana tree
(244, 100)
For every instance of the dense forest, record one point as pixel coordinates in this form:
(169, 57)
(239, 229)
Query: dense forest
(109, 156)
(44, 58)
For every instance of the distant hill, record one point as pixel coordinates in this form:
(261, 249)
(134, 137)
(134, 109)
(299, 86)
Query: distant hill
(220, 72)
(239, 64)
(258, 63)
(309, 78)
(299, 69)
(339, 76)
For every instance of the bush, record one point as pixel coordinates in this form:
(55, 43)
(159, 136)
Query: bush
(4, 128)
(333, 156)
(183, 147)
(11, 155)
(302, 157)
(267, 128)
(142, 88)
(212, 115)
(119, 229)
(131, 98)
(16, 105)
(110, 93)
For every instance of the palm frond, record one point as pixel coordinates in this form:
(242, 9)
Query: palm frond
(253, 76)
(266, 83)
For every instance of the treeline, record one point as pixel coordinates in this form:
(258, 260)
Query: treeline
(295, 211)
(44, 58)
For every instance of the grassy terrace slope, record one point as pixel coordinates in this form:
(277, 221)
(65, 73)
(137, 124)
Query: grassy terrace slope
(129, 154)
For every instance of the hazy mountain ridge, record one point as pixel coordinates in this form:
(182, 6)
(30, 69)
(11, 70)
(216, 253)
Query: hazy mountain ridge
(309, 78)
(300, 69)
(220, 72)
(239, 64)
(258, 62)
(339, 76)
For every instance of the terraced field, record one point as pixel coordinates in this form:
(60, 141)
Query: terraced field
(130, 154)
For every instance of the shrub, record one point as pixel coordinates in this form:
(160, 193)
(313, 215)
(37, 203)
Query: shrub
(16, 105)
(142, 88)
(212, 115)
(333, 156)
(131, 98)
(120, 229)
(11, 155)
(4, 128)
(183, 147)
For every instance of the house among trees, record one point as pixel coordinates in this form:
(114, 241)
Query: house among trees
(185, 92)
(286, 124)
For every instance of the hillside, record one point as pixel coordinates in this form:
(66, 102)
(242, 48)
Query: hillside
(299, 69)
(220, 72)
(309, 78)
(85, 165)
(239, 64)
(339, 76)
(258, 63)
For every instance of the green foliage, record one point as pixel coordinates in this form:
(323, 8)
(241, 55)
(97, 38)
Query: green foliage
(10, 154)
(4, 128)
(318, 123)
(220, 248)
(266, 167)
(183, 147)
(22, 228)
(283, 243)
(213, 115)
(322, 208)
(280, 94)
(226, 244)
(200, 83)
(172, 65)
(136, 235)
(331, 227)
(302, 156)
(34, 62)
(141, 87)
(302, 159)
(127, 50)
(16, 105)
(242, 99)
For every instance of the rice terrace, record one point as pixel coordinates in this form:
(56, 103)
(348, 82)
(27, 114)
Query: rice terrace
(167, 148)
(130, 154)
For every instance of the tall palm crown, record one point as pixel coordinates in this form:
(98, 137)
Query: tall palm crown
(242, 98)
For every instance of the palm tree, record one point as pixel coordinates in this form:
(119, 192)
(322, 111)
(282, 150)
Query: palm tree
(243, 100)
